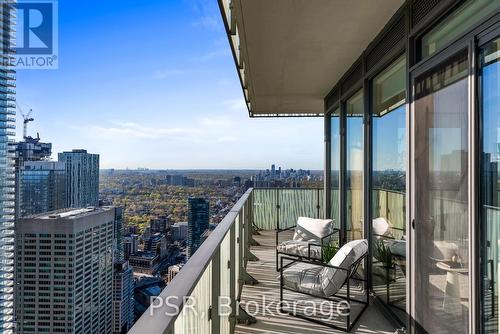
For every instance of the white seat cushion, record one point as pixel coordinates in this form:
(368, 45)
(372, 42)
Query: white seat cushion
(332, 279)
(303, 277)
(323, 281)
(300, 248)
(312, 229)
(381, 228)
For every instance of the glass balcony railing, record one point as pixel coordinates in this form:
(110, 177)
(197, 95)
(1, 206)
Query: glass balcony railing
(204, 296)
(214, 273)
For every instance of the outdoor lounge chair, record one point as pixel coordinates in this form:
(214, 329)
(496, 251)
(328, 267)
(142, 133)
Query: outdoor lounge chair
(325, 280)
(310, 237)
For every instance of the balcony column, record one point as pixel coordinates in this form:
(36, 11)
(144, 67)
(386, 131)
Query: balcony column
(246, 229)
(216, 281)
(327, 172)
(249, 218)
(240, 244)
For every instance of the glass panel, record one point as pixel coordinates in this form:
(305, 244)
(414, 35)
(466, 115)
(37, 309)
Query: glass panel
(225, 277)
(389, 187)
(457, 22)
(354, 172)
(189, 319)
(335, 167)
(295, 203)
(265, 213)
(490, 177)
(441, 189)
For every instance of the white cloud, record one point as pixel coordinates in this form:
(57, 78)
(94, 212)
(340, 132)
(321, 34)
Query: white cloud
(235, 104)
(207, 13)
(226, 139)
(170, 72)
(131, 130)
(212, 122)
(211, 55)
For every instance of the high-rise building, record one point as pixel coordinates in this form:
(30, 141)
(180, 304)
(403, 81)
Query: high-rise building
(123, 294)
(130, 245)
(82, 172)
(32, 149)
(198, 222)
(180, 231)
(123, 280)
(28, 150)
(118, 245)
(42, 186)
(7, 176)
(65, 271)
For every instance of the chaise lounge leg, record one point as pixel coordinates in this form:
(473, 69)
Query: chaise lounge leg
(242, 317)
(252, 242)
(252, 257)
(247, 279)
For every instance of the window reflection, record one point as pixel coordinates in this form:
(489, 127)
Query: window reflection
(354, 162)
(490, 177)
(441, 198)
(389, 187)
(335, 167)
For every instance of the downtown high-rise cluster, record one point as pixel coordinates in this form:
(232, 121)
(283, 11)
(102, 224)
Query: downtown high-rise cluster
(71, 276)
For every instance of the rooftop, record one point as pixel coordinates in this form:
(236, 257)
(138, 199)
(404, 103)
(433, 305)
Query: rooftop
(71, 213)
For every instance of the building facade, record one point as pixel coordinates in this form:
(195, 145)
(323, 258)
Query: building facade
(28, 150)
(123, 294)
(144, 262)
(42, 187)
(7, 176)
(82, 173)
(179, 231)
(65, 272)
(198, 222)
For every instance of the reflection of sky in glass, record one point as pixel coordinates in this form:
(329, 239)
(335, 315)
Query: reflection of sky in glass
(355, 143)
(448, 131)
(491, 109)
(389, 141)
(335, 140)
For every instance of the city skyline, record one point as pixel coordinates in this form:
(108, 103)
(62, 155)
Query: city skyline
(180, 106)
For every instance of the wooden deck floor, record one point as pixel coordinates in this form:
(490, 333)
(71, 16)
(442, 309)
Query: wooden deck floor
(269, 322)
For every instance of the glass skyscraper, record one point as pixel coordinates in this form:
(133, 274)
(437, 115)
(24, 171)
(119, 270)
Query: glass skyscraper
(7, 177)
(42, 187)
(198, 222)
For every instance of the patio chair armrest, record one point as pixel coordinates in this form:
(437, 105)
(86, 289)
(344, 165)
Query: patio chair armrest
(384, 236)
(279, 230)
(317, 263)
(335, 231)
(309, 244)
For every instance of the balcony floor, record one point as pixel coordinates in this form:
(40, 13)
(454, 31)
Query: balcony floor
(264, 270)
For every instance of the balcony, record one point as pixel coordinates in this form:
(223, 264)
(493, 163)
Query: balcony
(236, 266)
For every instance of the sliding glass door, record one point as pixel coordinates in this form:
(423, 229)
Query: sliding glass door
(388, 209)
(489, 99)
(440, 197)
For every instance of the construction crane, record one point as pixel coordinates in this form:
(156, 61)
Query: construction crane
(27, 117)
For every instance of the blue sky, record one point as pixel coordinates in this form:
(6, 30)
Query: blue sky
(153, 84)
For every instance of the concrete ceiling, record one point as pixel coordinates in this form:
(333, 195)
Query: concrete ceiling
(296, 50)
